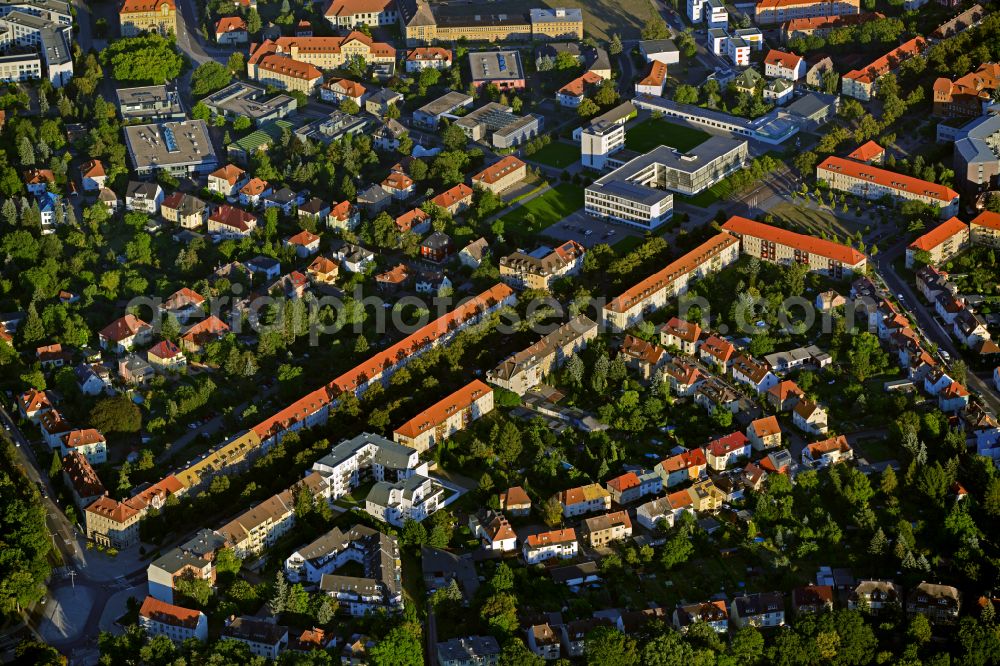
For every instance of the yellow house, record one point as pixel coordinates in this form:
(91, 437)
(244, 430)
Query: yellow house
(148, 16)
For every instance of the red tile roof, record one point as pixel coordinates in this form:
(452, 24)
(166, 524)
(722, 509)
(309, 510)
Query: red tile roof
(719, 348)
(888, 62)
(578, 86)
(397, 181)
(767, 426)
(682, 266)
(332, 44)
(680, 328)
(498, 170)
(642, 350)
(656, 76)
(77, 438)
(429, 53)
(183, 298)
(460, 192)
(230, 173)
(785, 389)
(303, 238)
(987, 219)
(741, 226)
(92, 169)
(33, 400)
(237, 218)
(352, 7)
(255, 187)
(229, 24)
(136, 6)
(867, 152)
(165, 349)
(285, 66)
(838, 443)
(346, 87)
(940, 234)
(624, 482)
(443, 409)
(161, 611)
(123, 328)
(207, 329)
(782, 59)
(686, 460)
(407, 221)
(377, 363)
(728, 444)
(515, 496)
(82, 476)
(552, 538)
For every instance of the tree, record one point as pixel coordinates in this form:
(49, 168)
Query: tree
(209, 77)
(499, 612)
(508, 446)
(516, 653)
(276, 604)
(401, 647)
(552, 511)
(237, 63)
(676, 551)
(413, 533)
(195, 589)
(615, 46)
(606, 646)
(116, 414)
(148, 58)
(502, 579)
(991, 497)
(686, 94)
(32, 330)
(606, 94)
(878, 543)
(253, 21)
(588, 108)
(325, 611)
(866, 356)
(349, 106)
(565, 60)
(453, 137)
(655, 28)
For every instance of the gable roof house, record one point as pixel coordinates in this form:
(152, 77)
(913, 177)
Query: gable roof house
(125, 333)
(642, 356)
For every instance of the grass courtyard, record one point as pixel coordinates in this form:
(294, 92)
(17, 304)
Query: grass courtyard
(814, 222)
(557, 154)
(545, 209)
(658, 132)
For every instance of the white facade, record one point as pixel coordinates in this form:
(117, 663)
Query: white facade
(413, 498)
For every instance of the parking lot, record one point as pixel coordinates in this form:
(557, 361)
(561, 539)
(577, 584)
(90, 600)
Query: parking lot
(588, 231)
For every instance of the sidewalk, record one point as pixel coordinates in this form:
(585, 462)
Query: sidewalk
(117, 606)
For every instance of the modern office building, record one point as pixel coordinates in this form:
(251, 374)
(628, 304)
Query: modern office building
(179, 148)
(161, 102)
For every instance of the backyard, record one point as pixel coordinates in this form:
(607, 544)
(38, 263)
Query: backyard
(814, 222)
(545, 209)
(658, 132)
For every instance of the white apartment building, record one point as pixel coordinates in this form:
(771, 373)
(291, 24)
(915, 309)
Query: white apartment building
(413, 498)
(547, 545)
(366, 456)
(871, 182)
(776, 245)
(604, 136)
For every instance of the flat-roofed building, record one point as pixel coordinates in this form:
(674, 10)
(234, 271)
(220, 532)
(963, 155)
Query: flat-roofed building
(540, 268)
(16, 67)
(639, 192)
(178, 148)
(498, 124)
(446, 417)
(604, 135)
(499, 68)
(429, 115)
(161, 102)
(249, 101)
(871, 182)
(44, 34)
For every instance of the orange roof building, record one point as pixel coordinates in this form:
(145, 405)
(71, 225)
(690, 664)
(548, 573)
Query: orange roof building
(784, 65)
(415, 220)
(869, 153)
(203, 332)
(446, 417)
(350, 13)
(547, 545)
(941, 243)
(770, 243)
(269, 67)
(860, 83)
(158, 617)
(778, 11)
(654, 80)
(138, 16)
(652, 293)
(968, 95)
(502, 174)
(515, 500)
(823, 25)
(572, 93)
(872, 182)
(313, 407)
(984, 229)
(230, 24)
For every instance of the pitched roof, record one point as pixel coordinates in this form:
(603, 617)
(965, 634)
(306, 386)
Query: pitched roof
(727, 444)
(684, 265)
(642, 350)
(939, 234)
(578, 86)
(607, 521)
(429, 53)
(867, 152)
(751, 368)
(782, 59)
(450, 197)
(686, 460)
(987, 219)
(182, 298)
(135, 6)
(552, 538)
(588, 493)
(498, 170)
(683, 329)
(118, 512)
(177, 616)
(33, 400)
(785, 389)
(92, 169)
(624, 482)
(347, 87)
(806, 408)
(231, 216)
(766, 426)
(889, 61)
(207, 329)
(229, 24)
(410, 219)
(230, 173)
(890, 179)
(838, 443)
(718, 347)
(514, 496)
(443, 409)
(656, 76)
(843, 253)
(255, 186)
(123, 328)
(165, 349)
(303, 238)
(323, 265)
(352, 7)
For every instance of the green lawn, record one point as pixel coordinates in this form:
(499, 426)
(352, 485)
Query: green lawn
(557, 154)
(627, 244)
(658, 132)
(547, 209)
